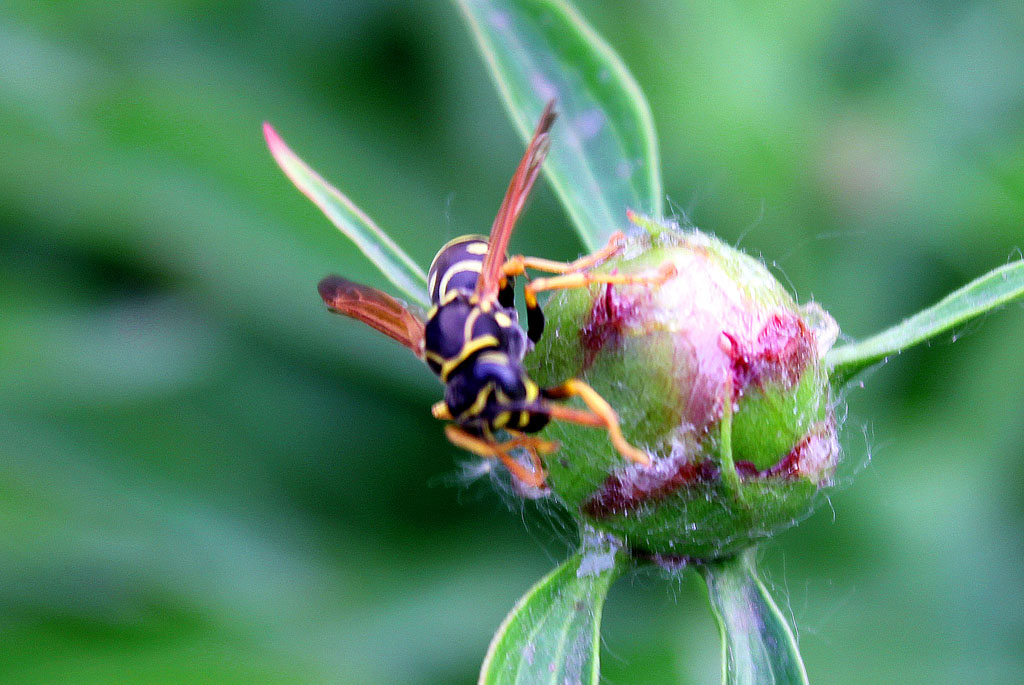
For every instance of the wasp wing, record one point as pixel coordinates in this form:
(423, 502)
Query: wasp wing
(515, 197)
(374, 308)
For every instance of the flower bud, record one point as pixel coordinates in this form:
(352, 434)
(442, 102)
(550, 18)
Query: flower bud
(717, 374)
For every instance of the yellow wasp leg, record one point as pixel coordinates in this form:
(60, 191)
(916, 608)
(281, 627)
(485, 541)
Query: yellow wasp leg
(494, 450)
(535, 447)
(601, 415)
(567, 281)
(517, 265)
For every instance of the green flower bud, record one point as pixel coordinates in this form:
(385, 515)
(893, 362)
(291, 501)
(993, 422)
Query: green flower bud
(717, 373)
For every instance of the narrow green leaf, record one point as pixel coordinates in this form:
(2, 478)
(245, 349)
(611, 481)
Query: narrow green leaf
(758, 646)
(392, 261)
(995, 288)
(604, 155)
(552, 635)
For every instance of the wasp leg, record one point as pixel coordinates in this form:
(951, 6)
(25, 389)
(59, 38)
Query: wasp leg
(534, 316)
(534, 447)
(517, 266)
(507, 291)
(601, 415)
(534, 321)
(533, 444)
(494, 450)
(440, 410)
(567, 281)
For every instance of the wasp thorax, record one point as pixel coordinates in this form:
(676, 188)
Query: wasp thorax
(717, 373)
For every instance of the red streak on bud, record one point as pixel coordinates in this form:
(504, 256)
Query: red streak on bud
(610, 316)
(781, 353)
(789, 467)
(815, 452)
(811, 457)
(746, 469)
(622, 493)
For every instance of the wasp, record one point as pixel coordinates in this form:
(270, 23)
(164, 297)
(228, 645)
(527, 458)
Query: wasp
(471, 337)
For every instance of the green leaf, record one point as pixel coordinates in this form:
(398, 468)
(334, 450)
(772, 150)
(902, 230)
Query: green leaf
(392, 261)
(604, 155)
(552, 635)
(758, 646)
(995, 288)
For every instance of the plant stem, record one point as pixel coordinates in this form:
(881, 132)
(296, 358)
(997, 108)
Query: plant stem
(758, 645)
(552, 635)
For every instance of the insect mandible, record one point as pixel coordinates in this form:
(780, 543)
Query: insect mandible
(471, 337)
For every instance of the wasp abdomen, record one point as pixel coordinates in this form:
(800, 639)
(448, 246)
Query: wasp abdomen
(445, 333)
(458, 329)
(456, 267)
(477, 347)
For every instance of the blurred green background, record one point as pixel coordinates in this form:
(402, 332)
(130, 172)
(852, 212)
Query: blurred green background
(205, 477)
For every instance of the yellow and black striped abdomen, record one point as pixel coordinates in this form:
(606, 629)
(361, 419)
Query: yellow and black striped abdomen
(456, 267)
(457, 330)
(477, 348)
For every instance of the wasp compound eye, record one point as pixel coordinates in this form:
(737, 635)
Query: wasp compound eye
(717, 373)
